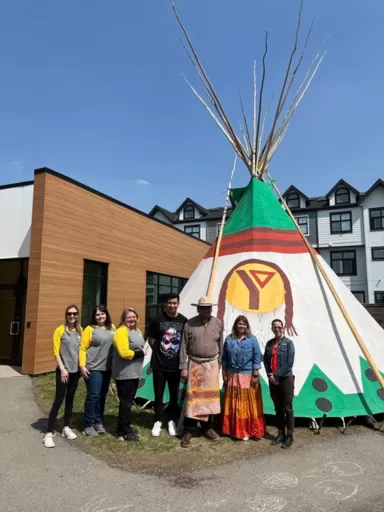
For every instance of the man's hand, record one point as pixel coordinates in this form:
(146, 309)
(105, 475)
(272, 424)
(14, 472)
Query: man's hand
(184, 374)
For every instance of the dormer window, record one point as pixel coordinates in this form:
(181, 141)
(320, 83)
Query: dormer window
(342, 196)
(293, 200)
(189, 212)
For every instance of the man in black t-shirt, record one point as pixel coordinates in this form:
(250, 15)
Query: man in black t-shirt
(164, 336)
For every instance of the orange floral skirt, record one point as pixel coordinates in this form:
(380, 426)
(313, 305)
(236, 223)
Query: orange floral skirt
(243, 414)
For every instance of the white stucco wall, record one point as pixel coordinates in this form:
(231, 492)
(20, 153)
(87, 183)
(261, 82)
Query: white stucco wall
(15, 221)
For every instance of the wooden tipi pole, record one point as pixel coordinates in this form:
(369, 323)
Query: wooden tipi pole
(348, 319)
(218, 241)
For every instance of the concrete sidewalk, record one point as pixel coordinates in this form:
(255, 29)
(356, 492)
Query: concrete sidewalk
(345, 475)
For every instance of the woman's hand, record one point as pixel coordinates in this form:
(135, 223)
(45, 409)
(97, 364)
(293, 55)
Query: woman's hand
(84, 372)
(145, 351)
(225, 378)
(254, 381)
(64, 375)
(184, 374)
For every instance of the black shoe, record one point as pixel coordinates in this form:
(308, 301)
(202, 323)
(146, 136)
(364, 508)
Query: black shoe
(280, 438)
(287, 442)
(132, 436)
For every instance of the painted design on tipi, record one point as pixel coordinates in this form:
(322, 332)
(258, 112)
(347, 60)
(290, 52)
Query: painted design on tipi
(257, 286)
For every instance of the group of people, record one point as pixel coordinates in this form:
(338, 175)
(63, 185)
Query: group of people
(185, 354)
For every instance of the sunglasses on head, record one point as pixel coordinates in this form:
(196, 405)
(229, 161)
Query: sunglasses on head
(72, 314)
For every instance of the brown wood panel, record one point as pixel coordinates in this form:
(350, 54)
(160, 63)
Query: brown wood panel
(34, 268)
(77, 225)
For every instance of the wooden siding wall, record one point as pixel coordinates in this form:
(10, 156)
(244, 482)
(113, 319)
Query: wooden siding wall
(71, 224)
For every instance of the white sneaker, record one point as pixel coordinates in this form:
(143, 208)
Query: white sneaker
(68, 433)
(246, 438)
(156, 429)
(48, 441)
(171, 428)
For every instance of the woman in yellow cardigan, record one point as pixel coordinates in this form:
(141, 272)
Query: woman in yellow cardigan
(95, 360)
(127, 366)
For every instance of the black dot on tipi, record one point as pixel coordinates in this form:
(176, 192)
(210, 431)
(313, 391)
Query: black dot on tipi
(319, 384)
(380, 394)
(141, 383)
(148, 371)
(370, 374)
(324, 405)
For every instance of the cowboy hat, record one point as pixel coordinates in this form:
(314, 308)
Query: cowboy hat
(204, 302)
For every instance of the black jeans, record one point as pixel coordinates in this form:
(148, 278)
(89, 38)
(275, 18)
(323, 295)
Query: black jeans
(190, 425)
(126, 389)
(282, 397)
(65, 390)
(160, 379)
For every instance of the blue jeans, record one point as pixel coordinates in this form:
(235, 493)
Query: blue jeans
(97, 389)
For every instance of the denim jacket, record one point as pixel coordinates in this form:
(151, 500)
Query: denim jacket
(285, 357)
(241, 356)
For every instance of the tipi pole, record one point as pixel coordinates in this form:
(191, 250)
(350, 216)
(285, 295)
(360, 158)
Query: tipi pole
(348, 319)
(218, 241)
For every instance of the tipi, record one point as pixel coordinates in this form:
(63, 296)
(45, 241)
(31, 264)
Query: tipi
(262, 266)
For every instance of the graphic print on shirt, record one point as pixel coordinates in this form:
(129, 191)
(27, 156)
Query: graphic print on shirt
(170, 343)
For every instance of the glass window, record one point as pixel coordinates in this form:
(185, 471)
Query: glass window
(376, 219)
(192, 230)
(379, 297)
(343, 263)
(377, 253)
(341, 222)
(303, 223)
(189, 212)
(95, 279)
(342, 196)
(293, 200)
(156, 295)
(360, 296)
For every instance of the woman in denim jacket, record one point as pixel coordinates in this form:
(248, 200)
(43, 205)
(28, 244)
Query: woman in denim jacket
(279, 357)
(243, 416)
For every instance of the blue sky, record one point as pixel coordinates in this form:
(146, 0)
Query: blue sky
(93, 89)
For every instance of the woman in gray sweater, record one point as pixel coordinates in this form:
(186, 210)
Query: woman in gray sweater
(127, 366)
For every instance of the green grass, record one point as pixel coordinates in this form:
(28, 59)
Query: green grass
(45, 389)
(158, 455)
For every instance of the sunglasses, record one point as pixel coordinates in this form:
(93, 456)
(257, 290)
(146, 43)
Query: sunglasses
(72, 314)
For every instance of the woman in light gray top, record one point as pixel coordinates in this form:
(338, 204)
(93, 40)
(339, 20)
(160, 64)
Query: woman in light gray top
(95, 360)
(66, 341)
(127, 367)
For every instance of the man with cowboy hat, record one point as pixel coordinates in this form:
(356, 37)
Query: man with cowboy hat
(202, 344)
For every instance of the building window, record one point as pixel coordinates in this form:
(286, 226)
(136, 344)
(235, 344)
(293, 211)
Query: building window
(360, 296)
(293, 201)
(158, 287)
(377, 253)
(95, 285)
(189, 212)
(192, 230)
(304, 224)
(343, 263)
(376, 219)
(379, 297)
(341, 223)
(342, 196)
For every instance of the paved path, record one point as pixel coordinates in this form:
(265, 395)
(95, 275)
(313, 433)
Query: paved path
(345, 475)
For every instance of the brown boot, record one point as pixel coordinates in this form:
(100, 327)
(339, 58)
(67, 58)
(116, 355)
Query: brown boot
(186, 440)
(211, 435)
